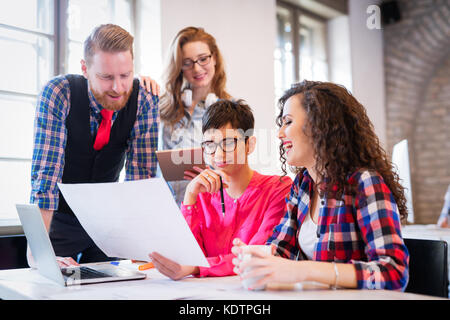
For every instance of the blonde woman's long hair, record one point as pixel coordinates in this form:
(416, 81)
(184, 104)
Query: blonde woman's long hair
(171, 105)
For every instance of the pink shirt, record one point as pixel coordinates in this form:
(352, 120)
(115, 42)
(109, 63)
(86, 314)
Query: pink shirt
(250, 218)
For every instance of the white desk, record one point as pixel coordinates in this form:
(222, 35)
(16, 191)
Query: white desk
(426, 231)
(21, 284)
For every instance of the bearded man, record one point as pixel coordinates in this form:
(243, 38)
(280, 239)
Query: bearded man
(87, 127)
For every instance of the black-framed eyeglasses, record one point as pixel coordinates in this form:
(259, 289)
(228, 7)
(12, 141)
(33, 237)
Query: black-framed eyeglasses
(202, 61)
(227, 145)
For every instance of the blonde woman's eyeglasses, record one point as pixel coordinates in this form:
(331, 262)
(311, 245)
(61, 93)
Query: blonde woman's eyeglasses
(202, 61)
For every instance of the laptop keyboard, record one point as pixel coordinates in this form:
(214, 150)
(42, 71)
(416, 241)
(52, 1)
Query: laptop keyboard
(84, 273)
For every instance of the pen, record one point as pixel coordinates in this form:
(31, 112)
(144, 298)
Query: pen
(221, 193)
(221, 197)
(146, 266)
(121, 262)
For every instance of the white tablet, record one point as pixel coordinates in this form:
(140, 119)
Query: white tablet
(174, 163)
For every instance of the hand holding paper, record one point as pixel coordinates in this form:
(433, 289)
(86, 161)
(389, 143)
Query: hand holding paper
(171, 269)
(134, 218)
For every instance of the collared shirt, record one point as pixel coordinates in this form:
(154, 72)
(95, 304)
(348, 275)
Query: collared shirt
(250, 218)
(362, 228)
(50, 138)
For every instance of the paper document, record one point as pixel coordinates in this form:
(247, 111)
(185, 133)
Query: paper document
(134, 218)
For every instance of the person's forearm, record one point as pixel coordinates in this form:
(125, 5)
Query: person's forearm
(189, 198)
(324, 272)
(47, 216)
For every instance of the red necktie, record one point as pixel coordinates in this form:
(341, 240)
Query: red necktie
(104, 130)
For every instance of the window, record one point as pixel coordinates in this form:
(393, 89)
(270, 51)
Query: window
(83, 16)
(284, 55)
(312, 51)
(27, 42)
(35, 49)
(300, 52)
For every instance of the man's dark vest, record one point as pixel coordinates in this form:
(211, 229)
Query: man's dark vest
(82, 163)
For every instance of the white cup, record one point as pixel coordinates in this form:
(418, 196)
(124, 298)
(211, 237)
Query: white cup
(248, 283)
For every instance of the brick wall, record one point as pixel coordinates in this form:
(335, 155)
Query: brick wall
(417, 73)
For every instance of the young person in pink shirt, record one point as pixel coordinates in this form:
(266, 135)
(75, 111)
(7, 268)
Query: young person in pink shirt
(253, 203)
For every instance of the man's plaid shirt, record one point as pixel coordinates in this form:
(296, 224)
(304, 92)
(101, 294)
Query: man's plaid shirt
(50, 137)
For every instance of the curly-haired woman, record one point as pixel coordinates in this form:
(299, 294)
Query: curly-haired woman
(342, 225)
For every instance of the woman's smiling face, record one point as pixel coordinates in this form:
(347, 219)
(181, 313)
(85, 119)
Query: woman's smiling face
(298, 146)
(230, 161)
(198, 76)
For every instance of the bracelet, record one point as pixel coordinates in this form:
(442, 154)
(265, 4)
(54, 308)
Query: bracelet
(336, 275)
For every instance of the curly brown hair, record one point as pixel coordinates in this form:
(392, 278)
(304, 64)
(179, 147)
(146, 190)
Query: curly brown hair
(344, 139)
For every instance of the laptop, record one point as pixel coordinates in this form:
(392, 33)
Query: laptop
(45, 258)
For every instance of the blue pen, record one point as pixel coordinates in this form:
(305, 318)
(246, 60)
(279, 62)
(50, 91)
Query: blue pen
(118, 263)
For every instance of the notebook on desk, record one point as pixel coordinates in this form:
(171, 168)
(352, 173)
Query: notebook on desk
(45, 258)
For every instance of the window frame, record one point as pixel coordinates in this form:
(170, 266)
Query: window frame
(61, 38)
(295, 14)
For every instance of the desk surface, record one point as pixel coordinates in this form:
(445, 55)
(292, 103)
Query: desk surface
(29, 284)
(21, 284)
(426, 231)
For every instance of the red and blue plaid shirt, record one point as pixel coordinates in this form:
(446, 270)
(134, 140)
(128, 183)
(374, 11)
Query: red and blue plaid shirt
(362, 228)
(50, 138)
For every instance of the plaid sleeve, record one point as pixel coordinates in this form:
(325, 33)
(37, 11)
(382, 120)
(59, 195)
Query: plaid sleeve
(284, 234)
(378, 220)
(49, 143)
(141, 157)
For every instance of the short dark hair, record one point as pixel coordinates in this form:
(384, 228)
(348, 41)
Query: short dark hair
(235, 112)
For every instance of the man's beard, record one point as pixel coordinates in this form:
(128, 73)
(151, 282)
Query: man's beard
(111, 105)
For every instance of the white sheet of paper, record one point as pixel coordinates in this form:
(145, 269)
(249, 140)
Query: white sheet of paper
(134, 218)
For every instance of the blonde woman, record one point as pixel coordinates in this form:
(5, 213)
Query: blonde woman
(194, 78)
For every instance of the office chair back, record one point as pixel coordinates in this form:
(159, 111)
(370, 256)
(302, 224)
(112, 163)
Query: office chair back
(428, 267)
(13, 252)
